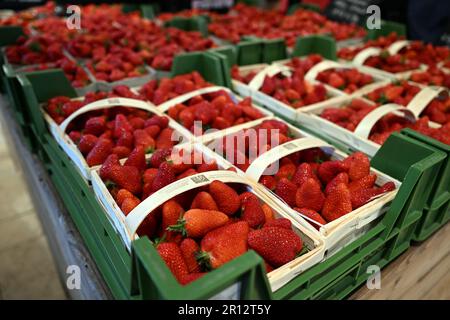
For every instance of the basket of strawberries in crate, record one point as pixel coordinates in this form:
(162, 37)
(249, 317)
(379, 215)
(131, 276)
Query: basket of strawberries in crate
(200, 221)
(92, 127)
(320, 187)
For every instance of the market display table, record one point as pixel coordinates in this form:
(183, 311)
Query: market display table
(422, 272)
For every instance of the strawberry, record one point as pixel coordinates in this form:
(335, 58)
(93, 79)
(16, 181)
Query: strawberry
(359, 166)
(310, 195)
(286, 190)
(337, 203)
(286, 171)
(252, 211)
(126, 139)
(171, 212)
(314, 215)
(171, 254)
(95, 126)
(107, 166)
(363, 183)
(223, 244)
(280, 223)
(329, 169)
(141, 138)
(303, 173)
(197, 222)
(121, 152)
(269, 182)
(164, 176)
(137, 159)
(189, 249)
(129, 204)
(75, 136)
(203, 200)
(187, 173)
(123, 194)
(276, 245)
(340, 178)
(362, 196)
(225, 197)
(86, 143)
(149, 225)
(149, 175)
(99, 152)
(159, 156)
(164, 139)
(153, 130)
(211, 166)
(188, 278)
(126, 177)
(160, 121)
(121, 124)
(268, 212)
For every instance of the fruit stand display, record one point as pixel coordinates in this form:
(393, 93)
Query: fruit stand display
(221, 166)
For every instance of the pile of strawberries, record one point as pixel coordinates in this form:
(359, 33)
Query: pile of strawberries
(351, 115)
(205, 228)
(138, 178)
(34, 50)
(323, 189)
(187, 13)
(399, 92)
(118, 64)
(346, 79)
(438, 110)
(23, 18)
(159, 91)
(433, 76)
(216, 110)
(243, 147)
(269, 24)
(348, 53)
(392, 63)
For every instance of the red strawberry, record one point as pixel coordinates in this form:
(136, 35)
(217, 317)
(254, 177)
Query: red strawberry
(340, 178)
(121, 124)
(203, 200)
(198, 222)
(153, 131)
(225, 197)
(86, 143)
(164, 139)
(276, 245)
(330, 169)
(286, 190)
(359, 166)
(75, 136)
(123, 194)
(286, 171)
(172, 256)
(161, 121)
(303, 173)
(141, 138)
(107, 166)
(126, 177)
(186, 279)
(337, 203)
(252, 211)
(122, 152)
(95, 126)
(211, 166)
(164, 176)
(99, 152)
(171, 212)
(269, 182)
(159, 156)
(312, 215)
(268, 212)
(310, 195)
(223, 244)
(129, 204)
(363, 183)
(137, 159)
(126, 139)
(280, 223)
(149, 175)
(187, 173)
(189, 249)
(362, 196)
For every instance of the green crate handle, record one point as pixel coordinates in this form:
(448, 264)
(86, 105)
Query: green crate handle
(320, 44)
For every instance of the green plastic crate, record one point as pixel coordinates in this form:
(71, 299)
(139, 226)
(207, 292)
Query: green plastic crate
(306, 6)
(196, 23)
(320, 44)
(436, 215)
